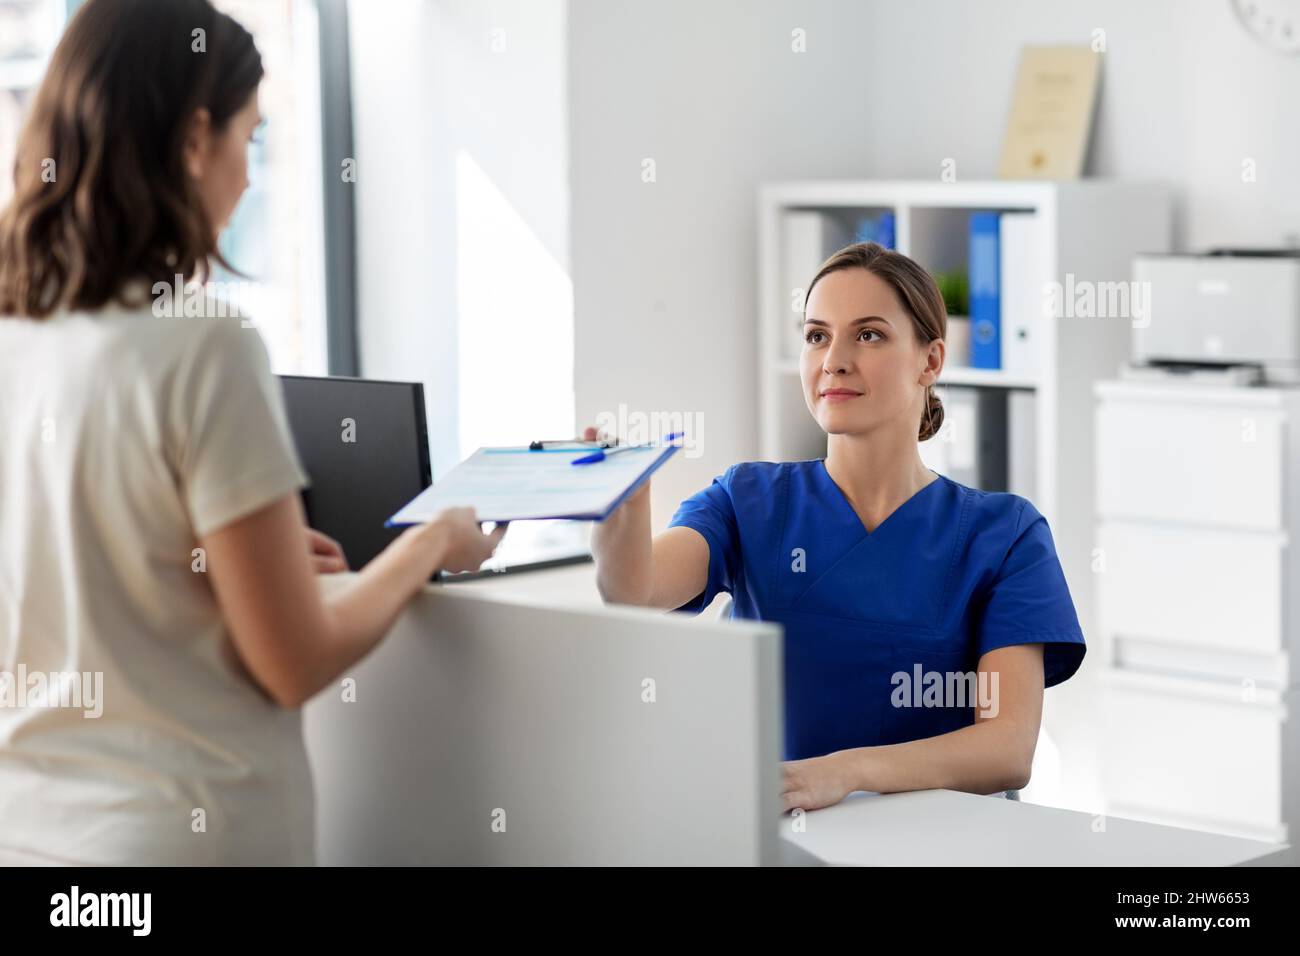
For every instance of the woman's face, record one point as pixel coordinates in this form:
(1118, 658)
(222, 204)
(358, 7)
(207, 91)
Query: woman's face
(217, 160)
(863, 366)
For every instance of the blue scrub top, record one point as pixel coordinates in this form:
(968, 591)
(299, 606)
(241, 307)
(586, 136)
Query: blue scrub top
(952, 573)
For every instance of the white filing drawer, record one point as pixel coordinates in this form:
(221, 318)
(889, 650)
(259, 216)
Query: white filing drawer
(1190, 462)
(1186, 750)
(1198, 501)
(1197, 587)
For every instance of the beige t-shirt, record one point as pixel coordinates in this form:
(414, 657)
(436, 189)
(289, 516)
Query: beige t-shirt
(126, 438)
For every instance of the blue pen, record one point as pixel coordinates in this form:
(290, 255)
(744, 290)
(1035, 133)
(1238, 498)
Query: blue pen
(605, 453)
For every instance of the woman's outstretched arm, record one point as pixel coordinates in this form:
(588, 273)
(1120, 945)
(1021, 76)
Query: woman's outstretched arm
(632, 567)
(293, 641)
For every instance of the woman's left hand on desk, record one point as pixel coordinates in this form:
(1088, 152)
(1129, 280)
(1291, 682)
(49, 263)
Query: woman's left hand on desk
(814, 783)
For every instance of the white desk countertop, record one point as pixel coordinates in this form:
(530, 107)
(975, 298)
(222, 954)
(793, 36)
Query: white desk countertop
(570, 585)
(947, 828)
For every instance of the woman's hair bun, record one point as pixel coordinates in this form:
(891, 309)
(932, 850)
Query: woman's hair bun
(932, 417)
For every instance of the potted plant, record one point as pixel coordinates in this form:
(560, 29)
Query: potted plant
(954, 286)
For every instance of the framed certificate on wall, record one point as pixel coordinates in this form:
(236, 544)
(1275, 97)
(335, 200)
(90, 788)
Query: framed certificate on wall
(1051, 113)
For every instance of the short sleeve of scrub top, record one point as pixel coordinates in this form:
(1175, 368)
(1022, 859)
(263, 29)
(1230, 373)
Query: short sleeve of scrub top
(710, 513)
(952, 573)
(1029, 602)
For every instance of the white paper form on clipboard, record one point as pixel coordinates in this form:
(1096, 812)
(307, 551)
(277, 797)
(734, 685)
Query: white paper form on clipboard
(521, 484)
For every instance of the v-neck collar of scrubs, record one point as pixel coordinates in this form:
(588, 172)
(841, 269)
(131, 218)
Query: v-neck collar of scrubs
(837, 493)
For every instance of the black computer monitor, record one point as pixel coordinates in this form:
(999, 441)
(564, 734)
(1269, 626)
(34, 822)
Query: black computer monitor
(365, 448)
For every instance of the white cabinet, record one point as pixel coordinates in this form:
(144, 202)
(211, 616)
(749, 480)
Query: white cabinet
(1193, 752)
(1198, 584)
(1181, 585)
(1192, 463)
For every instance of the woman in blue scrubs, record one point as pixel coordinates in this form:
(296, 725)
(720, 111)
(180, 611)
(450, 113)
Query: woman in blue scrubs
(922, 618)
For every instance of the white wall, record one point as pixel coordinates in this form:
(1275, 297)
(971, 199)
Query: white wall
(664, 272)
(441, 87)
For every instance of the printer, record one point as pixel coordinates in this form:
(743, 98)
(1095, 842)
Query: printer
(1225, 309)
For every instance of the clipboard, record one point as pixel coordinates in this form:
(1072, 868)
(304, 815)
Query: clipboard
(532, 484)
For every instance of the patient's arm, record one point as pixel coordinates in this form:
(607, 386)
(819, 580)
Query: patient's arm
(293, 641)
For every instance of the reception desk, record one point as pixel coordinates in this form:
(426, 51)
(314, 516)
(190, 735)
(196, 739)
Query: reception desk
(506, 721)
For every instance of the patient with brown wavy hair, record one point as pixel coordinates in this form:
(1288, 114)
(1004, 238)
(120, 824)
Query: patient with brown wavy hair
(151, 532)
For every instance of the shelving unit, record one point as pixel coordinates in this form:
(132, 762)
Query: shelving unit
(1090, 229)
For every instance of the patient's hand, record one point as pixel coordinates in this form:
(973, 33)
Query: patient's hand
(326, 554)
(461, 543)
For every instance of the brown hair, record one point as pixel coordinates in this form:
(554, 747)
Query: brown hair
(919, 295)
(109, 123)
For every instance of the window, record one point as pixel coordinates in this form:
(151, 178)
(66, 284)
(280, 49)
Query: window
(462, 215)
(29, 29)
(276, 237)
